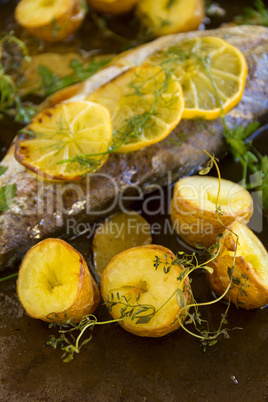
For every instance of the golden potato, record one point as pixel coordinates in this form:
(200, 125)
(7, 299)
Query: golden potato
(54, 278)
(131, 285)
(116, 234)
(112, 6)
(250, 279)
(193, 208)
(51, 20)
(168, 16)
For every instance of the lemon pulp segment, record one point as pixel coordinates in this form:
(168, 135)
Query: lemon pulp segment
(66, 141)
(212, 74)
(145, 104)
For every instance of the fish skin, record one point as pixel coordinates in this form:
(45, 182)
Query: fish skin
(41, 208)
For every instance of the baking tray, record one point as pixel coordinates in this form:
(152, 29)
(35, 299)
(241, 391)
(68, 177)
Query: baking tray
(118, 366)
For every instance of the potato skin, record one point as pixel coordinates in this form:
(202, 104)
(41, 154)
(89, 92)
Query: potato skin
(87, 293)
(59, 28)
(196, 221)
(249, 289)
(181, 17)
(132, 264)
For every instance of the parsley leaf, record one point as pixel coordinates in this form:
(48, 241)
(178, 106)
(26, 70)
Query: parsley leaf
(257, 15)
(7, 193)
(3, 169)
(250, 159)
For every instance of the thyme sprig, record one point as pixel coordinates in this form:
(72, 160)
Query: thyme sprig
(142, 313)
(67, 341)
(206, 336)
(132, 128)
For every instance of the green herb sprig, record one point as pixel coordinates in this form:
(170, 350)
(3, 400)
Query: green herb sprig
(143, 313)
(11, 102)
(251, 160)
(67, 341)
(133, 127)
(52, 82)
(256, 15)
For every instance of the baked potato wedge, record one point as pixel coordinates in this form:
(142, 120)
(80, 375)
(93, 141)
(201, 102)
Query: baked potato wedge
(51, 20)
(164, 17)
(135, 288)
(193, 208)
(249, 287)
(54, 279)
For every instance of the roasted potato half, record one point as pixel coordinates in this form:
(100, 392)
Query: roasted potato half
(132, 287)
(193, 208)
(116, 234)
(51, 20)
(164, 17)
(249, 288)
(54, 279)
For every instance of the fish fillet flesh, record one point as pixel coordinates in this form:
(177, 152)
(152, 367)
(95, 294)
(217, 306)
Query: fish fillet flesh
(44, 208)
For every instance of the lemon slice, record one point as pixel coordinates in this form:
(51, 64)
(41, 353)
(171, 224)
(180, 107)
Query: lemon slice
(212, 74)
(145, 104)
(66, 141)
(118, 233)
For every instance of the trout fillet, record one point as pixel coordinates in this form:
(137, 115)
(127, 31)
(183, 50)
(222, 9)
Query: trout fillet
(42, 208)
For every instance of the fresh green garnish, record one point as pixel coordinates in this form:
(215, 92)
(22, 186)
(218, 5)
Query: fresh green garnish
(133, 129)
(5, 278)
(11, 102)
(256, 15)
(3, 169)
(7, 193)
(251, 160)
(52, 82)
(143, 313)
